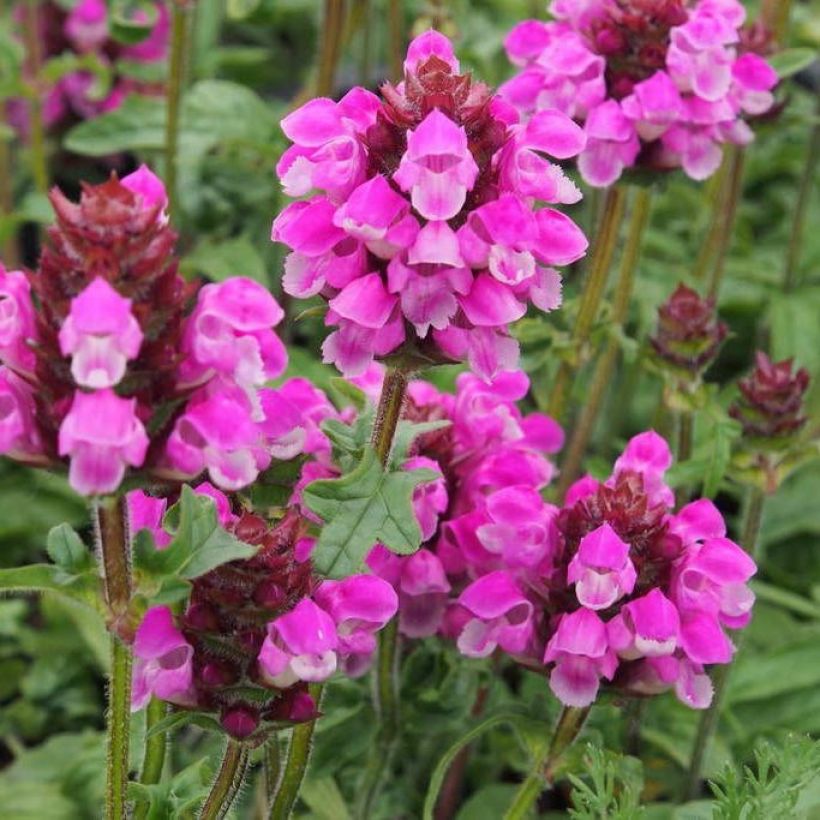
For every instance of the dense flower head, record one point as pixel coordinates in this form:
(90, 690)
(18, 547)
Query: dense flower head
(84, 30)
(688, 334)
(771, 398)
(108, 358)
(418, 221)
(255, 632)
(656, 83)
(613, 587)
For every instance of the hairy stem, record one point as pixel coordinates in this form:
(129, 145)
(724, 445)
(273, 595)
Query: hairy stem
(388, 412)
(604, 367)
(111, 527)
(176, 81)
(543, 773)
(301, 743)
(37, 138)
(686, 424)
(774, 14)
(720, 677)
(228, 782)
(155, 750)
(603, 249)
(726, 217)
(118, 724)
(273, 767)
(807, 187)
(330, 49)
(7, 196)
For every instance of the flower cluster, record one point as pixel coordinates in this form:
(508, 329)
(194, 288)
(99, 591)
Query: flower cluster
(105, 363)
(84, 30)
(656, 83)
(689, 334)
(613, 586)
(419, 225)
(255, 632)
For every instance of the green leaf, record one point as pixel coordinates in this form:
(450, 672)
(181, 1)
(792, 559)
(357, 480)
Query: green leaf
(199, 543)
(222, 260)
(213, 111)
(367, 505)
(50, 578)
(324, 799)
(130, 30)
(792, 60)
(176, 720)
(348, 394)
(407, 432)
(67, 551)
(240, 9)
(440, 772)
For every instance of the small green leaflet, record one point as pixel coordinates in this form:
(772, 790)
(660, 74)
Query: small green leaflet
(368, 505)
(199, 543)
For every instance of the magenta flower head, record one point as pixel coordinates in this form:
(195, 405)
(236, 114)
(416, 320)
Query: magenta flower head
(254, 632)
(420, 227)
(657, 84)
(111, 361)
(624, 592)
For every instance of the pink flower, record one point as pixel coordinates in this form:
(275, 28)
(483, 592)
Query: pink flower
(437, 169)
(430, 44)
(421, 584)
(282, 426)
(87, 25)
(217, 433)
(149, 186)
(102, 436)
(429, 498)
(582, 657)
(648, 455)
(646, 627)
(146, 513)
(612, 145)
(230, 333)
(360, 606)
(162, 661)
(502, 616)
(301, 645)
(19, 438)
(17, 323)
(519, 527)
(753, 80)
(601, 569)
(101, 335)
(654, 105)
(224, 514)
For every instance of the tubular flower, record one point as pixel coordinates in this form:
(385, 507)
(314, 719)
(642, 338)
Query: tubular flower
(420, 228)
(255, 631)
(656, 84)
(110, 360)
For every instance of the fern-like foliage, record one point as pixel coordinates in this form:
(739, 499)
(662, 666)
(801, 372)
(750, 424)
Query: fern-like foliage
(773, 786)
(610, 788)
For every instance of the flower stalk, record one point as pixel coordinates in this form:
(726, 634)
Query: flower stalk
(332, 36)
(37, 139)
(301, 742)
(227, 783)
(752, 519)
(396, 37)
(569, 726)
(594, 286)
(604, 367)
(155, 750)
(176, 80)
(724, 221)
(111, 524)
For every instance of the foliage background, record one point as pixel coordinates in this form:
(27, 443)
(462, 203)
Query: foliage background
(251, 59)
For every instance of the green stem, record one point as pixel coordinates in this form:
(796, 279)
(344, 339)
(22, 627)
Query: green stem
(543, 773)
(726, 220)
(364, 64)
(118, 723)
(634, 717)
(709, 720)
(715, 194)
(774, 14)
(111, 527)
(388, 412)
(155, 750)
(333, 29)
(685, 436)
(228, 782)
(396, 38)
(807, 187)
(301, 741)
(594, 286)
(37, 139)
(7, 196)
(273, 767)
(176, 79)
(604, 367)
